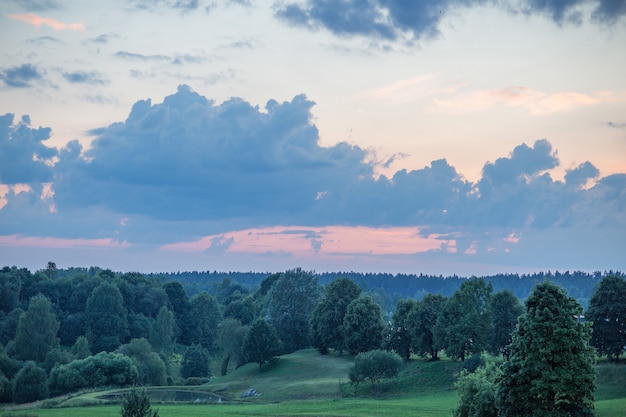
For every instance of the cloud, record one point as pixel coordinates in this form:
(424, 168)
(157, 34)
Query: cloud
(38, 5)
(140, 57)
(16, 241)
(45, 39)
(332, 241)
(38, 21)
(393, 20)
(536, 102)
(84, 77)
(579, 176)
(24, 158)
(191, 167)
(610, 11)
(616, 125)
(21, 76)
(104, 38)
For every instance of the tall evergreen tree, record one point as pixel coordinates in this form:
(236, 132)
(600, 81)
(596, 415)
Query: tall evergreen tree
(36, 330)
(607, 311)
(550, 370)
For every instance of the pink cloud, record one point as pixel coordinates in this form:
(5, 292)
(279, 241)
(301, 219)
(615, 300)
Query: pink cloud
(326, 241)
(536, 102)
(38, 21)
(58, 243)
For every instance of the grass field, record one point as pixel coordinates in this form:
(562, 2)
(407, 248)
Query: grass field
(308, 384)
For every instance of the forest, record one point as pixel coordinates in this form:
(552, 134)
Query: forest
(67, 330)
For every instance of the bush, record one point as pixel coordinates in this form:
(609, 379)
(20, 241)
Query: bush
(30, 384)
(101, 370)
(375, 366)
(477, 391)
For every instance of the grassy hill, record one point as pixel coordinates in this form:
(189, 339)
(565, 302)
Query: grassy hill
(306, 383)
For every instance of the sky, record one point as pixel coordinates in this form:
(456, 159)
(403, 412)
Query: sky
(467, 137)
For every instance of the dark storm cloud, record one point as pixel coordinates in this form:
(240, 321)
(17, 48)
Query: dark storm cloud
(23, 155)
(189, 160)
(393, 19)
(85, 77)
(21, 76)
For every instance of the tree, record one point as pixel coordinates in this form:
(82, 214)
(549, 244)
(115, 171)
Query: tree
(162, 337)
(375, 366)
(242, 309)
(363, 325)
(607, 311)
(550, 370)
(81, 348)
(422, 323)
(150, 366)
(463, 325)
(327, 318)
(505, 309)
(137, 404)
(205, 316)
(261, 343)
(30, 384)
(232, 335)
(400, 335)
(196, 362)
(292, 300)
(37, 330)
(106, 318)
(178, 302)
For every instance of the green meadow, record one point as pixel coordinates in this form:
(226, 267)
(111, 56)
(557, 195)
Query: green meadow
(306, 383)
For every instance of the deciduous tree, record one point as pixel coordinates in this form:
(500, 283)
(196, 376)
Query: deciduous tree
(292, 300)
(261, 343)
(422, 323)
(400, 331)
(327, 329)
(363, 325)
(463, 325)
(505, 309)
(607, 311)
(36, 330)
(106, 318)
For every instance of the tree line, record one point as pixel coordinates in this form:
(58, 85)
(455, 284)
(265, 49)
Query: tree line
(66, 330)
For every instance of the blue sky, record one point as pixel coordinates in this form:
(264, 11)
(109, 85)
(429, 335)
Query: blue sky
(443, 136)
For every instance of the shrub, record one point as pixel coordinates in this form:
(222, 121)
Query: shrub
(375, 366)
(30, 384)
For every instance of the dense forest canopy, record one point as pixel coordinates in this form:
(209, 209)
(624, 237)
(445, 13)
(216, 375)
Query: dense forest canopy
(182, 328)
